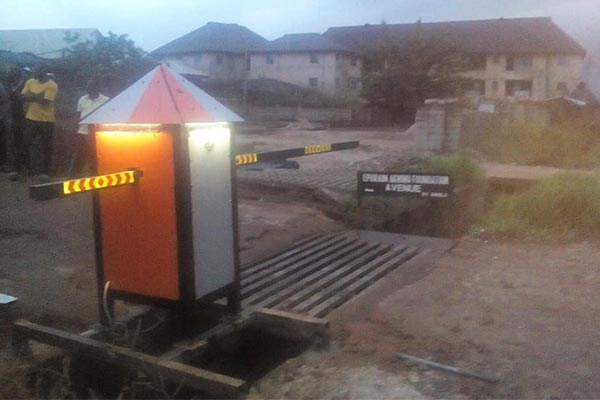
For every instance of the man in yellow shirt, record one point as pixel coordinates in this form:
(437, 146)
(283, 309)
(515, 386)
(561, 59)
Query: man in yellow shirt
(38, 94)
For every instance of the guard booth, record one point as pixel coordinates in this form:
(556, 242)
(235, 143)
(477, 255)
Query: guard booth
(170, 237)
(165, 209)
(166, 234)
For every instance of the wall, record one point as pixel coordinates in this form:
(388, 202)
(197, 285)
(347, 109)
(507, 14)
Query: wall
(564, 68)
(345, 73)
(332, 72)
(545, 72)
(438, 126)
(257, 113)
(233, 66)
(475, 124)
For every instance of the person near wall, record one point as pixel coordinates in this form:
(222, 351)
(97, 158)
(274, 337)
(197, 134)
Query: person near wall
(39, 95)
(86, 104)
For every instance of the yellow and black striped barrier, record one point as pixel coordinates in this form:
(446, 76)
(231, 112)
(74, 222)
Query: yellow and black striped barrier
(319, 148)
(52, 190)
(244, 159)
(253, 158)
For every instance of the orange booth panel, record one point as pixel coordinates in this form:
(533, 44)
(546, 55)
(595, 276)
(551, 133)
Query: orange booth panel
(138, 222)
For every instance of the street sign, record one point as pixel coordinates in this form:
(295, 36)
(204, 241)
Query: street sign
(400, 184)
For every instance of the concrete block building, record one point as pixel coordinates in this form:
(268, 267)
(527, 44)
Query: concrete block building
(509, 58)
(233, 52)
(219, 51)
(309, 60)
(518, 57)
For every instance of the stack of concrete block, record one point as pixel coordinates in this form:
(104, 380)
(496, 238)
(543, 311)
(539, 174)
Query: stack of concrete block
(438, 124)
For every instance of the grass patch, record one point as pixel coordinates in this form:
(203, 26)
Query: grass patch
(463, 169)
(564, 205)
(573, 145)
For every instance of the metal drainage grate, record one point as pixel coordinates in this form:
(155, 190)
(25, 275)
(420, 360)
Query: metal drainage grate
(320, 273)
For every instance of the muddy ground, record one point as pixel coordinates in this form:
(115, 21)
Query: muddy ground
(523, 312)
(47, 257)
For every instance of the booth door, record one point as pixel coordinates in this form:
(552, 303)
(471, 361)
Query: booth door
(138, 222)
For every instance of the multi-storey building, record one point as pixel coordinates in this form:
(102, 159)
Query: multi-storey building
(520, 57)
(309, 60)
(219, 51)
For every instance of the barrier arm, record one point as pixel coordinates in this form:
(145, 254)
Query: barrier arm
(53, 190)
(253, 158)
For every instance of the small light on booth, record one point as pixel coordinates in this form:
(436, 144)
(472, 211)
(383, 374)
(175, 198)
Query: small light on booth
(209, 134)
(129, 127)
(129, 130)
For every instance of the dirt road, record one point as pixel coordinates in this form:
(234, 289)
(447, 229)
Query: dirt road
(47, 256)
(524, 312)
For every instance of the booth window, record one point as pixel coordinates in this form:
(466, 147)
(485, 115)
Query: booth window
(313, 82)
(314, 59)
(270, 59)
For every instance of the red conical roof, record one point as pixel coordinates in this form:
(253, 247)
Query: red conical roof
(161, 97)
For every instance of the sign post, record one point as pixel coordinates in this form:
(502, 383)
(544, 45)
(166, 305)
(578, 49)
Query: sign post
(403, 184)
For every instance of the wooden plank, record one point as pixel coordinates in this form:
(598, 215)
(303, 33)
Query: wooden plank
(185, 351)
(267, 279)
(249, 276)
(208, 381)
(292, 325)
(344, 295)
(326, 276)
(346, 280)
(295, 248)
(297, 277)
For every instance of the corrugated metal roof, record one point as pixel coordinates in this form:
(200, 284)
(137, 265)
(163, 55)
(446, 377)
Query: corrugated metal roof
(497, 36)
(161, 97)
(21, 59)
(46, 43)
(214, 37)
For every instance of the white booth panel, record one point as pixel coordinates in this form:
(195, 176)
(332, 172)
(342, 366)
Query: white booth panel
(212, 213)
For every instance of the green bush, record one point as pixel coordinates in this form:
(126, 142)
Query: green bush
(463, 169)
(562, 145)
(563, 205)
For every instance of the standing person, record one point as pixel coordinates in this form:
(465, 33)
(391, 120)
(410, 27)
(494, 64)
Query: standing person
(39, 93)
(86, 104)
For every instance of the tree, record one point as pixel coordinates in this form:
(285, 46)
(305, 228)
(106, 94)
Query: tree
(113, 60)
(400, 73)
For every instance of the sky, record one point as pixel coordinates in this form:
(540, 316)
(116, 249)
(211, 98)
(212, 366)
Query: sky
(152, 23)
